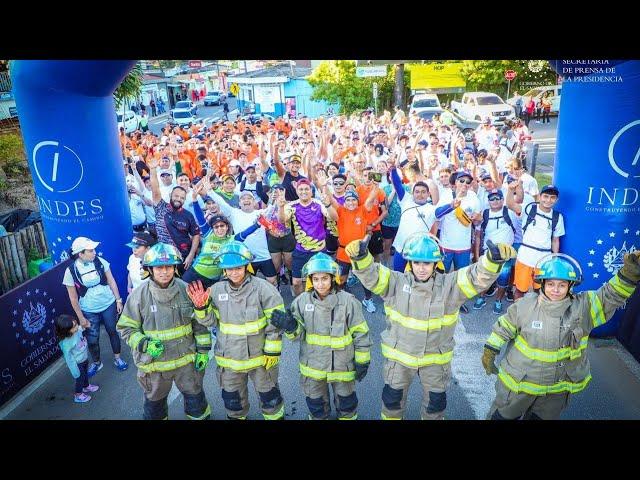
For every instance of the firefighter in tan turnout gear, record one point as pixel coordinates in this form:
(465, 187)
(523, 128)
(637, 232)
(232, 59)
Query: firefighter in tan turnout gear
(422, 307)
(247, 345)
(167, 344)
(334, 340)
(546, 336)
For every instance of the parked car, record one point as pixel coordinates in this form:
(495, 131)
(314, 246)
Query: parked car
(480, 105)
(212, 98)
(553, 90)
(254, 118)
(466, 126)
(425, 103)
(182, 117)
(129, 120)
(187, 105)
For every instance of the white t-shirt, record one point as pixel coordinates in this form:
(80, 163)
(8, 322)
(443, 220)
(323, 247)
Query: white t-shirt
(135, 270)
(527, 199)
(257, 241)
(136, 207)
(98, 297)
(165, 191)
(539, 235)
(454, 235)
(414, 218)
(149, 212)
(529, 184)
(497, 230)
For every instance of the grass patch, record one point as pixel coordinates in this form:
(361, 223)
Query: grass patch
(543, 179)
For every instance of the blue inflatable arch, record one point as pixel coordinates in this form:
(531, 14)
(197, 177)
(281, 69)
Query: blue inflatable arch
(69, 127)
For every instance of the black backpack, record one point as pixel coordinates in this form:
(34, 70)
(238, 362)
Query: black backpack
(505, 216)
(80, 287)
(531, 218)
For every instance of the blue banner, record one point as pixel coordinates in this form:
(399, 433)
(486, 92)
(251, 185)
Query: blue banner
(597, 167)
(68, 121)
(28, 342)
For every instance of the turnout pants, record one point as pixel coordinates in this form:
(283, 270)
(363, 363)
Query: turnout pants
(397, 379)
(317, 397)
(509, 405)
(157, 385)
(235, 393)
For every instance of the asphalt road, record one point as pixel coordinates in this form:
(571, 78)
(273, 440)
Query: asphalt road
(207, 114)
(614, 392)
(544, 134)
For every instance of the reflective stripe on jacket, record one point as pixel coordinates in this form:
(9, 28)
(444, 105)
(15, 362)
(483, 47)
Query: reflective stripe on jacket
(547, 341)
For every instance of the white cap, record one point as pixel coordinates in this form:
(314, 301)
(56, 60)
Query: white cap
(234, 163)
(83, 243)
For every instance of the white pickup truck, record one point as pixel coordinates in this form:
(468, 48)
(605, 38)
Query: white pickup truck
(480, 105)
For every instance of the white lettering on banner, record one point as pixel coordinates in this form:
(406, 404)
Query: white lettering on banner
(48, 164)
(7, 378)
(49, 348)
(612, 145)
(59, 210)
(615, 200)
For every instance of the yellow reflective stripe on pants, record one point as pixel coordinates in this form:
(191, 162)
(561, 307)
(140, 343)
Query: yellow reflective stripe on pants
(328, 376)
(269, 311)
(502, 320)
(203, 416)
(597, 315)
(248, 328)
(273, 346)
(623, 288)
(204, 339)
(547, 355)
(384, 274)
(416, 362)
(465, 284)
(240, 365)
(496, 340)
(422, 325)
(489, 265)
(384, 417)
(328, 341)
(168, 365)
(170, 334)
(354, 417)
(276, 416)
(362, 327)
(128, 322)
(134, 340)
(535, 389)
(363, 357)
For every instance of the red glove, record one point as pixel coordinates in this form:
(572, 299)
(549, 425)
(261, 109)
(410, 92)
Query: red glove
(198, 294)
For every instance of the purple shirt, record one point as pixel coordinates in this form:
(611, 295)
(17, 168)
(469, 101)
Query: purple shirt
(308, 225)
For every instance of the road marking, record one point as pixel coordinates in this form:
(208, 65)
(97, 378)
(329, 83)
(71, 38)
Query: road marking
(477, 386)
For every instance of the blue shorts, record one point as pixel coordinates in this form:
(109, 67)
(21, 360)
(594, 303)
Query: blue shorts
(298, 261)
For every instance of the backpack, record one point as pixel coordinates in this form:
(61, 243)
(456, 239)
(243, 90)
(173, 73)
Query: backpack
(531, 218)
(505, 216)
(80, 287)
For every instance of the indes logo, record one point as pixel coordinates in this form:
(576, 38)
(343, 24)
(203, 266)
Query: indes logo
(626, 136)
(58, 169)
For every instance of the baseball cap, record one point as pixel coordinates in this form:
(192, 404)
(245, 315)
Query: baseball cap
(165, 172)
(351, 194)
(227, 177)
(83, 243)
(550, 189)
(304, 181)
(423, 143)
(234, 163)
(278, 185)
(295, 158)
(511, 178)
(495, 191)
(142, 239)
(244, 193)
(485, 176)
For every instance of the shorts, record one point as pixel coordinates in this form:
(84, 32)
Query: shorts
(266, 267)
(332, 244)
(298, 261)
(376, 244)
(389, 233)
(523, 277)
(284, 244)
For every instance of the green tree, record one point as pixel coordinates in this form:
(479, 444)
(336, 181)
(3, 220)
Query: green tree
(335, 81)
(130, 87)
(488, 75)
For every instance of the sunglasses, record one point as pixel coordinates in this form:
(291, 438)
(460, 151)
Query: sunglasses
(494, 199)
(468, 181)
(337, 184)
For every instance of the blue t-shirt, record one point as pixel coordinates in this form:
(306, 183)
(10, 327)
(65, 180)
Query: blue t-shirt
(98, 297)
(74, 351)
(393, 218)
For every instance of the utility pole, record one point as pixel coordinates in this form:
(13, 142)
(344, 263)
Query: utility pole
(399, 87)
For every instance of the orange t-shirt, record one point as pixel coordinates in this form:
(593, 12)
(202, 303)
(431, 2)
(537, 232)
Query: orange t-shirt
(363, 192)
(352, 225)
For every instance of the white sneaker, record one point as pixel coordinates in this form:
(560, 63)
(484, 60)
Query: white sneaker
(369, 305)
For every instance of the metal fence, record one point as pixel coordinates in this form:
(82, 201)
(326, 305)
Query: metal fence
(5, 82)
